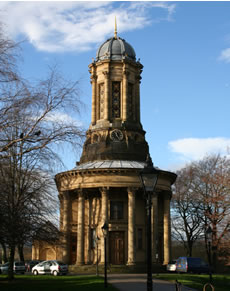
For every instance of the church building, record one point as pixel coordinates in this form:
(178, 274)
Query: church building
(105, 186)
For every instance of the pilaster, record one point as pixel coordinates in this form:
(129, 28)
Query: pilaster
(137, 116)
(106, 105)
(125, 94)
(94, 90)
(80, 228)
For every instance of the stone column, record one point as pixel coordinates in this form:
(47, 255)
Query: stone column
(167, 234)
(154, 227)
(80, 228)
(138, 109)
(104, 218)
(35, 250)
(125, 95)
(88, 244)
(94, 93)
(131, 227)
(106, 105)
(65, 226)
(60, 197)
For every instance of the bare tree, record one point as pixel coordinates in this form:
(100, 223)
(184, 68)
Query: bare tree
(28, 197)
(9, 54)
(35, 118)
(45, 110)
(213, 188)
(202, 199)
(186, 223)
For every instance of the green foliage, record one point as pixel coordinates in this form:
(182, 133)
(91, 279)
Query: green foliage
(51, 283)
(220, 282)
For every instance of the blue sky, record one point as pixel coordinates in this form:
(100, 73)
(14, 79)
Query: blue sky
(185, 50)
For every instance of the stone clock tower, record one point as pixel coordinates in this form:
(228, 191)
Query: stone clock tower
(115, 132)
(105, 186)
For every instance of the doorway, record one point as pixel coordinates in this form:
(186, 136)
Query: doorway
(116, 247)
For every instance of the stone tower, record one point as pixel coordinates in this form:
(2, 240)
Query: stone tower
(105, 186)
(115, 132)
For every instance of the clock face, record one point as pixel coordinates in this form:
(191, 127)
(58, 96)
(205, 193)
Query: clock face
(116, 135)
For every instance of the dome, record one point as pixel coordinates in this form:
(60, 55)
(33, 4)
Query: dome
(115, 49)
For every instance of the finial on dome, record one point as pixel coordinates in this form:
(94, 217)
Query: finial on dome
(115, 31)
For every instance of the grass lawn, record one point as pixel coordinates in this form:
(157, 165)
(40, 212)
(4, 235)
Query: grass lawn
(220, 282)
(51, 283)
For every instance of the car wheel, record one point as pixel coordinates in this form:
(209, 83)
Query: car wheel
(55, 273)
(35, 272)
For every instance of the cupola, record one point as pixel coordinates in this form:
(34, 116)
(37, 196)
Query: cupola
(115, 48)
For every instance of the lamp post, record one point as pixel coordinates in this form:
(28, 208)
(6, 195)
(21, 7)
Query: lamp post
(209, 239)
(105, 232)
(148, 177)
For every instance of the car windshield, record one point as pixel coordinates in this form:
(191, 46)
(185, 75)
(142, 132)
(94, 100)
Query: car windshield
(19, 264)
(60, 263)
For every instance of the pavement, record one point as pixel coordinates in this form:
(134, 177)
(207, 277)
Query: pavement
(137, 282)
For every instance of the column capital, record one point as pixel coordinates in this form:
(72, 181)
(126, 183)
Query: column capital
(106, 74)
(132, 189)
(93, 78)
(138, 78)
(64, 194)
(80, 193)
(167, 195)
(154, 195)
(126, 73)
(104, 190)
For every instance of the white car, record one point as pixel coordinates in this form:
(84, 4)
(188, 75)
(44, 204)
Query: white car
(171, 267)
(50, 267)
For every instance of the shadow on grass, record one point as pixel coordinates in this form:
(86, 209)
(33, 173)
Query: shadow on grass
(220, 282)
(50, 283)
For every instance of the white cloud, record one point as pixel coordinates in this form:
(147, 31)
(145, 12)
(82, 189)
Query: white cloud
(76, 26)
(62, 118)
(189, 149)
(225, 55)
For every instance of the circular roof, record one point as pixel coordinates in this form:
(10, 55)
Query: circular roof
(115, 48)
(111, 164)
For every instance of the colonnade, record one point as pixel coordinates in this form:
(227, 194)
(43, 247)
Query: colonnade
(131, 192)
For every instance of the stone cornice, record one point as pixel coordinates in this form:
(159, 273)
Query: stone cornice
(109, 177)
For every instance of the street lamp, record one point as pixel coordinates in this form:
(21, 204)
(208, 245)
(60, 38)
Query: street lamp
(148, 177)
(209, 240)
(105, 233)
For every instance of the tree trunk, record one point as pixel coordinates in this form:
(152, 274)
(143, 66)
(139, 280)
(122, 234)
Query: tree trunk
(11, 263)
(20, 252)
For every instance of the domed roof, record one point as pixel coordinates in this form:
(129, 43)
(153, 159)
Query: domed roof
(115, 48)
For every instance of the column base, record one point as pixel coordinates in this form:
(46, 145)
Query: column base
(131, 264)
